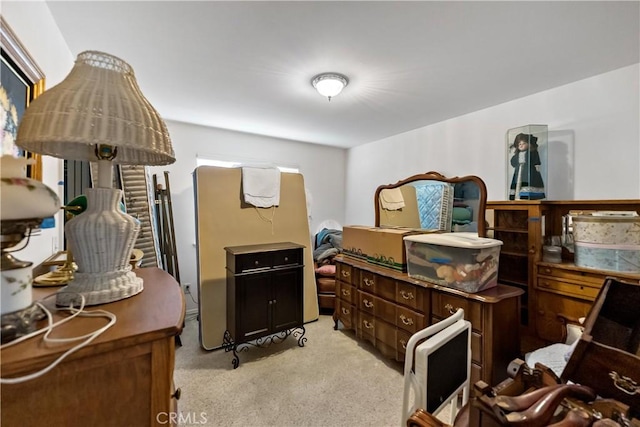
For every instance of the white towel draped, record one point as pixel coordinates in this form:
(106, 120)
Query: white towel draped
(391, 199)
(261, 186)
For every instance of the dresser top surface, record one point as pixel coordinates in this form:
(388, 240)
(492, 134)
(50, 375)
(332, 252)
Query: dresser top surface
(264, 247)
(491, 295)
(156, 312)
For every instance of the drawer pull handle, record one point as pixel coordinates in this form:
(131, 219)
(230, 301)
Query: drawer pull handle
(403, 343)
(547, 270)
(450, 308)
(407, 295)
(406, 320)
(286, 258)
(544, 284)
(369, 282)
(367, 303)
(346, 293)
(367, 324)
(345, 273)
(176, 394)
(345, 311)
(256, 263)
(624, 384)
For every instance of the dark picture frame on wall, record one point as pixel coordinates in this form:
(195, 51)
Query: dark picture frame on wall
(22, 81)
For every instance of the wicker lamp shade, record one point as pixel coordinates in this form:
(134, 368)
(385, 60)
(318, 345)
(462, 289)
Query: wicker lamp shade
(99, 102)
(98, 113)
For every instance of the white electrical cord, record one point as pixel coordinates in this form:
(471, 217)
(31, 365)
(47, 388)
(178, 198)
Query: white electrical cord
(47, 339)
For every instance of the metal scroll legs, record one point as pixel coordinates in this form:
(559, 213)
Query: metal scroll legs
(230, 345)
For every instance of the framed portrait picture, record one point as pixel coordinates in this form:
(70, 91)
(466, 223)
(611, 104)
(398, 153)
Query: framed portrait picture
(21, 82)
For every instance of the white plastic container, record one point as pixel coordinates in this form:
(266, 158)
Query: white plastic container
(462, 261)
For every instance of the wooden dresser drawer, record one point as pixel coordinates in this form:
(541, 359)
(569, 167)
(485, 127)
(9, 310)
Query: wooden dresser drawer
(412, 296)
(378, 307)
(409, 320)
(366, 327)
(549, 305)
(252, 262)
(366, 302)
(444, 305)
(576, 290)
(344, 273)
(386, 333)
(345, 313)
(402, 339)
(346, 292)
(375, 284)
(286, 257)
(594, 279)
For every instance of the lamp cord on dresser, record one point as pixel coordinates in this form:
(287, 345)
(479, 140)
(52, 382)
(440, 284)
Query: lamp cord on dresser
(88, 338)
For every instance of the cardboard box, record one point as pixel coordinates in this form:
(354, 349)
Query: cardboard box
(388, 247)
(357, 241)
(607, 355)
(382, 246)
(462, 261)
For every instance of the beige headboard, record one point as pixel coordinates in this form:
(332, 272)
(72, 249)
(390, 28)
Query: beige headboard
(223, 219)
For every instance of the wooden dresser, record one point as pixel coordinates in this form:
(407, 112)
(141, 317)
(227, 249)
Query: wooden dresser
(123, 378)
(385, 307)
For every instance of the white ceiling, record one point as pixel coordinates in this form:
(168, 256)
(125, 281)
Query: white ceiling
(247, 66)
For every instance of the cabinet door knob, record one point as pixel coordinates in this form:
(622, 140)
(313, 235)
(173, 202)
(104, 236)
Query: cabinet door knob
(177, 393)
(286, 258)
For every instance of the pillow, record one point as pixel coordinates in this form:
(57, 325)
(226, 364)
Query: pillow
(326, 270)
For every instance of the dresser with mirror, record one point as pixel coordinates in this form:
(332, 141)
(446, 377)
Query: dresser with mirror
(385, 306)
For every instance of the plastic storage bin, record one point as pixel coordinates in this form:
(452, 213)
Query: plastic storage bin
(462, 261)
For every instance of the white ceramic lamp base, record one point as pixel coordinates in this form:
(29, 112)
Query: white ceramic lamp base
(101, 239)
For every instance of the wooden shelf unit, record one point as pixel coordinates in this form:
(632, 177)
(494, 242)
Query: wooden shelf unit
(550, 289)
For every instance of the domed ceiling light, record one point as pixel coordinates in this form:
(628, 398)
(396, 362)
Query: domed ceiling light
(329, 84)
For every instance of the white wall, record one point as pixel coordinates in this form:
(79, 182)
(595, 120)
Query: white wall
(322, 167)
(594, 145)
(35, 28)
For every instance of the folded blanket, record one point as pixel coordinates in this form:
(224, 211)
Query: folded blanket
(261, 186)
(391, 199)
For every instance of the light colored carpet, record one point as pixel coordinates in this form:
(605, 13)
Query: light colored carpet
(334, 380)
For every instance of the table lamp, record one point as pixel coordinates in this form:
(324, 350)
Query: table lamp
(24, 203)
(98, 113)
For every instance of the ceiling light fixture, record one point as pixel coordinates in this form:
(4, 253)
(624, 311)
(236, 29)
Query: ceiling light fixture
(329, 84)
